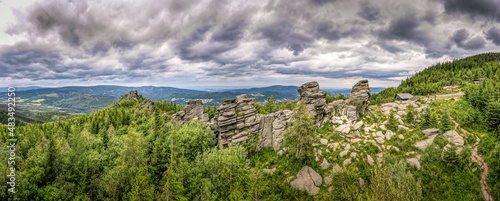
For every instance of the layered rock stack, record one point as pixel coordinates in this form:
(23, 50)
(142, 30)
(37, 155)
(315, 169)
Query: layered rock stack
(194, 110)
(349, 110)
(360, 96)
(315, 100)
(272, 127)
(236, 120)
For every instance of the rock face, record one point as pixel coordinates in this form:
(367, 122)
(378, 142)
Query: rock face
(360, 95)
(272, 127)
(235, 120)
(350, 109)
(194, 110)
(315, 100)
(131, 96)
(308, 180)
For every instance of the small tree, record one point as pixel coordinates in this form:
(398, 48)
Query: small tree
(445, 122)
(300, 136)
(392, 122)
(410, 117)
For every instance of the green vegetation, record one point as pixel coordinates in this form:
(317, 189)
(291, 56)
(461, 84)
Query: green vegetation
(300, 136)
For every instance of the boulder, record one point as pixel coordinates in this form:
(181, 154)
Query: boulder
(194, 110)
(269, 171)
(346, 128)
(337, 121)
(380, 158)
(357, 125)
(353, 154)
(454, 137)
(430, 131)
(414, 162)
(400, 136)
(362, 183)
(315, 100)
(370, 160)
(389, 134)
(328, 180)
(265, 131)
(346, 162)
(323, 141)
(380, 140)
(424, 143)
(343, 153)
(401, 127)
(383, 127)
(324, 164)
(336, 168)
(307, 180)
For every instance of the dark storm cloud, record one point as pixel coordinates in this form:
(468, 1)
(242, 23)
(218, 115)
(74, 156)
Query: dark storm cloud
(406, 28)
(283, 34)
(487, 9)
(321, 2)
(368, 11)
(461, 39)
(328, 30)
(493, 34)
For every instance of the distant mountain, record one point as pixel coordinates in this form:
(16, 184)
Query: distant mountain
(5, 89)
(46, 104)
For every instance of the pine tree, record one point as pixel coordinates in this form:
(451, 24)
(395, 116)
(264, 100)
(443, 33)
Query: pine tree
(392, 123)
(300, 136)
(445, 122)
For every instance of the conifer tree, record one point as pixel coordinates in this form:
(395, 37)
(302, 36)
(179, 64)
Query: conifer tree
(300, 136)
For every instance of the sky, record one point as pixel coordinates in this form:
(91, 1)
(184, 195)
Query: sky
(193, 43)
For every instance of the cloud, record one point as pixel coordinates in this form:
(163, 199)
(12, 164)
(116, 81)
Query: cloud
(477, 9)
(462, 39)
(368, 11)
(493, 34)
(283, 34)
(163, 42)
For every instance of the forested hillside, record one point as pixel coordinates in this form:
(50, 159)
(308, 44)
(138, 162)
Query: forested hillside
(478, 110)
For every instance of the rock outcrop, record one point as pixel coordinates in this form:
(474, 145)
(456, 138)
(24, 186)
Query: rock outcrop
(194, 110)
(272, 127)
(236, 120)
(360, 96)
(308, 180)
(349, 110)
(134, 96)
(131, 96)
(315, 100)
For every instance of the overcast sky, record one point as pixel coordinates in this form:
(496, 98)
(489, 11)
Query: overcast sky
(237, 43)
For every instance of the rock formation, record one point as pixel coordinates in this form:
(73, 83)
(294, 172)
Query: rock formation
(133, 96)
(349, 110)
(272, 127)
(360, 96)
(194, 110)
(315, 100)
(236, 120)
(308, 180)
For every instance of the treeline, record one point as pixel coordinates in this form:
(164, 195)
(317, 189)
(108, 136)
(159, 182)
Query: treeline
(459, 72)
